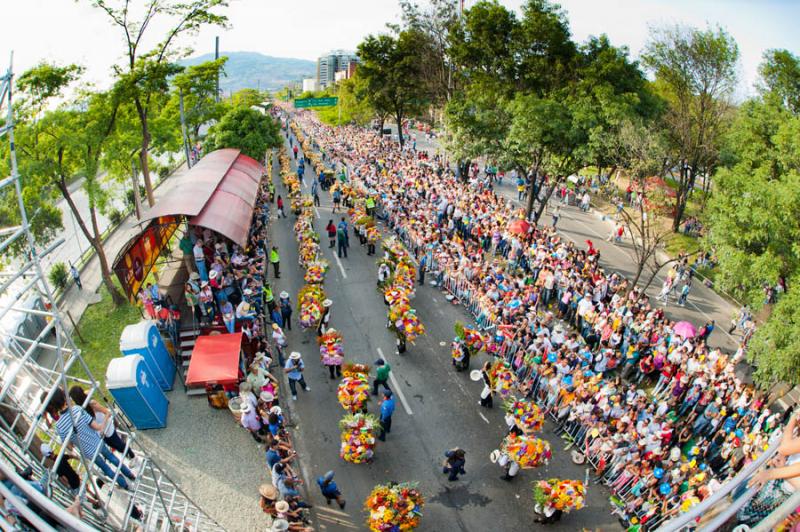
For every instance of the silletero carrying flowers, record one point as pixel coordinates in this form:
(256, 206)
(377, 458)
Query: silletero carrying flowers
(525, 415)
(358, 437)
(394, 507)
(331, 350)
(527, 451)
(310, 300)
(353, 392)
(556, 494)
(503, 379)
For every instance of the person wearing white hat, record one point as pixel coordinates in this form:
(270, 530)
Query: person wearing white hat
(250, 421)
(294, 371)
(326, 317)
(281, 343)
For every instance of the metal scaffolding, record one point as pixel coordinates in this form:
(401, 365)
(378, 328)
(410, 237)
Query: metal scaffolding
(36, 366)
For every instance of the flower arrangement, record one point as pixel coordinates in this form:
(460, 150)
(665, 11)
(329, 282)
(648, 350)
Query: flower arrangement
(410, 326)
(394, 507)
(331, 350)
(564, 495)
(395, 296)
(353, 392)
(373, 235)
(474, 340)
(527, 451)
(310, 300)
(358, 437)
(503, 378)
(526, 415)
(315, 271)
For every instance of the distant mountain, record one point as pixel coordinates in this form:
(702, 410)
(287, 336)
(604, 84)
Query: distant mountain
(254, 70)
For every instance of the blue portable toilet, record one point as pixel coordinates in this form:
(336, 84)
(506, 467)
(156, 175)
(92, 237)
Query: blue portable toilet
(130, 382)
(144, 339)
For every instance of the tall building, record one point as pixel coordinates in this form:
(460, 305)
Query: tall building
(331, 63)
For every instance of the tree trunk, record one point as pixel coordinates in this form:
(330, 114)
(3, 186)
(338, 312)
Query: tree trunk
(94, 240)
(546, 199)
(639, 270)
(137, 199)
(143, 154)
(116, 297)
(399, 117)
(531, 195)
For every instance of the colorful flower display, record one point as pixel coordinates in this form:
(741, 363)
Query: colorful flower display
(354, 390)
(358, 437)
(564, 495)
(410, 326)
(503, 379)
(527, 451)
(394, 507)
(310, 300)
(331, 350)
(526, 415)
(315, 271)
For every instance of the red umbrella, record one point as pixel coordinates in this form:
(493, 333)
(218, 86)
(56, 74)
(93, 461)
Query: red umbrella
(520, 227)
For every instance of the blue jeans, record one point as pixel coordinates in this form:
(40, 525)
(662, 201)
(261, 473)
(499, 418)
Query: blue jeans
(201, 269)
(106, 454)
(230, 325)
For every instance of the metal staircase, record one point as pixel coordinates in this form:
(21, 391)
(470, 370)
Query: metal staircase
(37, 357)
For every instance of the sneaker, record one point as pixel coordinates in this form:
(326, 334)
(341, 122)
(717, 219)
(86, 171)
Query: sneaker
(294, 398)
(308, 389)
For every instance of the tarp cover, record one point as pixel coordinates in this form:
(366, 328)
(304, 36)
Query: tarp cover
(215, 359)
(218, 193)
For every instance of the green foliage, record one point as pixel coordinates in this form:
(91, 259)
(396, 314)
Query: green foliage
(780, 76)
(246, 129)
(695, 73)
(353, 104)
(100, 326)
(248, 98)
(197, 83)
(58, 275)
(775, 346)
(391, 69)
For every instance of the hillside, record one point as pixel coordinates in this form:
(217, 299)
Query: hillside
(255, 70)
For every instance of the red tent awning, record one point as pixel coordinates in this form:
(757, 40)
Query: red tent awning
(218, 193)
(215, 358)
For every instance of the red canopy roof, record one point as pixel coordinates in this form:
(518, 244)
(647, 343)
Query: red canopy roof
(218, 193)
(215, 358)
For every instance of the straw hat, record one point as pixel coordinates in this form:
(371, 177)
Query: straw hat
(268, 491)
(295, 355)
(213, 274)
(246, 407)
(276, 410)
(203, 284)
(194, 276)
(248, 292)
(327, 303)
(282, 506)
(284, 295)
(275, 326)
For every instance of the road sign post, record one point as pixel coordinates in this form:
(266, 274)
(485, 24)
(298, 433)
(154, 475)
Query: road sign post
(303, 103)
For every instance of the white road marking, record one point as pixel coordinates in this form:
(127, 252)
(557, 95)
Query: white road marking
(396, 387)
(483, 417)
(339, 262)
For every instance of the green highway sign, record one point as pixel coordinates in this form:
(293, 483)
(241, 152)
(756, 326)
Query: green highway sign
(316, 102)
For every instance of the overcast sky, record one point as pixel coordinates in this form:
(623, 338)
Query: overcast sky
(72, 31)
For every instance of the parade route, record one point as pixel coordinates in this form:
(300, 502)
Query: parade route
(439, 406)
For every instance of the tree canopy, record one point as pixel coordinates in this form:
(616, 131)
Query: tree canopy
(246, 129)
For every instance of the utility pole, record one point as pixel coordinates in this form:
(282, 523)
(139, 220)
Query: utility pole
(183, 130)
(216, 56)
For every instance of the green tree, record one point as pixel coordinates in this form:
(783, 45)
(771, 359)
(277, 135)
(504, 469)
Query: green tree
(145, 71)
(59, 145)
(353, 106)
(780, 76)
(391, 69)
(198, 85)
(247, 98)
(246, 129)
(753, 223)
(695, 73)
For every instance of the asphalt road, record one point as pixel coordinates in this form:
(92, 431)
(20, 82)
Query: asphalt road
(437, 409)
